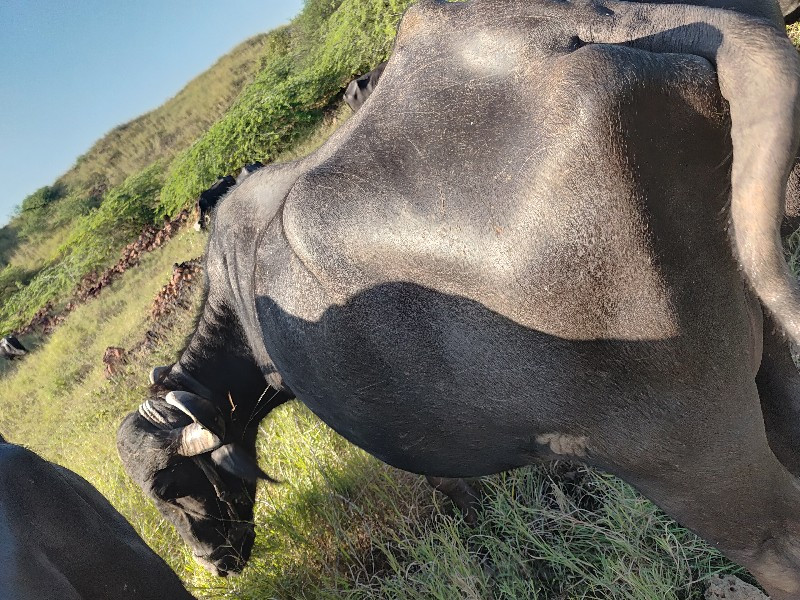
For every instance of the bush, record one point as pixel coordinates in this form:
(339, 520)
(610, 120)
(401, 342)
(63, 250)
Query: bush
(95, 242)
(328, 43)
(34, 211)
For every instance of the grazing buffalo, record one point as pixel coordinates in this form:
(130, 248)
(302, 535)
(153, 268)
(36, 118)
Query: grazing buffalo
(248, 170)
(60, 538)
(209, 198)
(11, 348)
(360, 88)
(560, 242)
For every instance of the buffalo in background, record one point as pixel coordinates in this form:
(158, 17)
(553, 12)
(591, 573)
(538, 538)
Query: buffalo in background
(209, 198)
(11, 348)
(248, 170)
(61, 539)
(361, 88)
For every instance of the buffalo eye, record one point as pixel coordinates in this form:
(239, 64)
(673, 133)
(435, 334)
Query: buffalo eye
(178, 481)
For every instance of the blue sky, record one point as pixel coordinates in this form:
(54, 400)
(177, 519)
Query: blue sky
(71, 71)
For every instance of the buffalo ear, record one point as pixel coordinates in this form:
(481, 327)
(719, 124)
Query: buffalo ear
(236, 461)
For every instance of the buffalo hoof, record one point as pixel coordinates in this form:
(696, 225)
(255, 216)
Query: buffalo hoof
(463, 495)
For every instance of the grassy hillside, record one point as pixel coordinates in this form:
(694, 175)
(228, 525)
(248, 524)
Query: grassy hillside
(298, 71)
(342, 524)
(323, 48)
(161, 133)
(39, 245)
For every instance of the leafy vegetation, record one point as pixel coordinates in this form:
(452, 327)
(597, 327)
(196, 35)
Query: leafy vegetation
(94, 242)
(326, 45)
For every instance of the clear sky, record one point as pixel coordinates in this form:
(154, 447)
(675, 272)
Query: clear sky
(72, 70)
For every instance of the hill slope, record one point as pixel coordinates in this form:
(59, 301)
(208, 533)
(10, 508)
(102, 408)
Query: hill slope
(39, 246)
(62, 232)
(173, 126)
(34, 238)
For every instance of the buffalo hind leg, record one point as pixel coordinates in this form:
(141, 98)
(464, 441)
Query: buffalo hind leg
(713, 471)
(461, 493)
(778, 382)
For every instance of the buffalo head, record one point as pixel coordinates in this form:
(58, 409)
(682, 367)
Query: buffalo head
(198, 466)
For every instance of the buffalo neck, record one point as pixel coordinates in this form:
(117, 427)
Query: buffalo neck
(218, 365)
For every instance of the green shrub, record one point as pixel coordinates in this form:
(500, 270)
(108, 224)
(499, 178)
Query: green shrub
(13, 279)
(94, 242)
(328, 43)
(34, 211)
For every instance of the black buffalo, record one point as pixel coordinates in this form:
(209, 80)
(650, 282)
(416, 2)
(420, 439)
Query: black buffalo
(209, 198)
(11, 348)
(248, 170)
(361, 88)
(560, 242)
(60, 538)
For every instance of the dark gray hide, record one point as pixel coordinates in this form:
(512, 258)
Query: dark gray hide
(11, 348)
(518, 250)
(209, 198)
(60, 538)
(361, 88)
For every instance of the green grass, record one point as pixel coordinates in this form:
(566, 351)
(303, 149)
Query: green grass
(561, 531)
(92, 243)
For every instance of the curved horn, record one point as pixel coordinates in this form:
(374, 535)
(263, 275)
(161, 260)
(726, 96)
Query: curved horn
(158, 373)
(237, 461)
(759, 75)
(200, 410)
(195, 439)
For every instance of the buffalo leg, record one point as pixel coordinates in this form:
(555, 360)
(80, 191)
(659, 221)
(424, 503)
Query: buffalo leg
(723, 482)
(778, 382)
(461, 493)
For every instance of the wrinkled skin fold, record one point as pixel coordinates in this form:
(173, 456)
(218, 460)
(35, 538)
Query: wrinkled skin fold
(551, 232)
